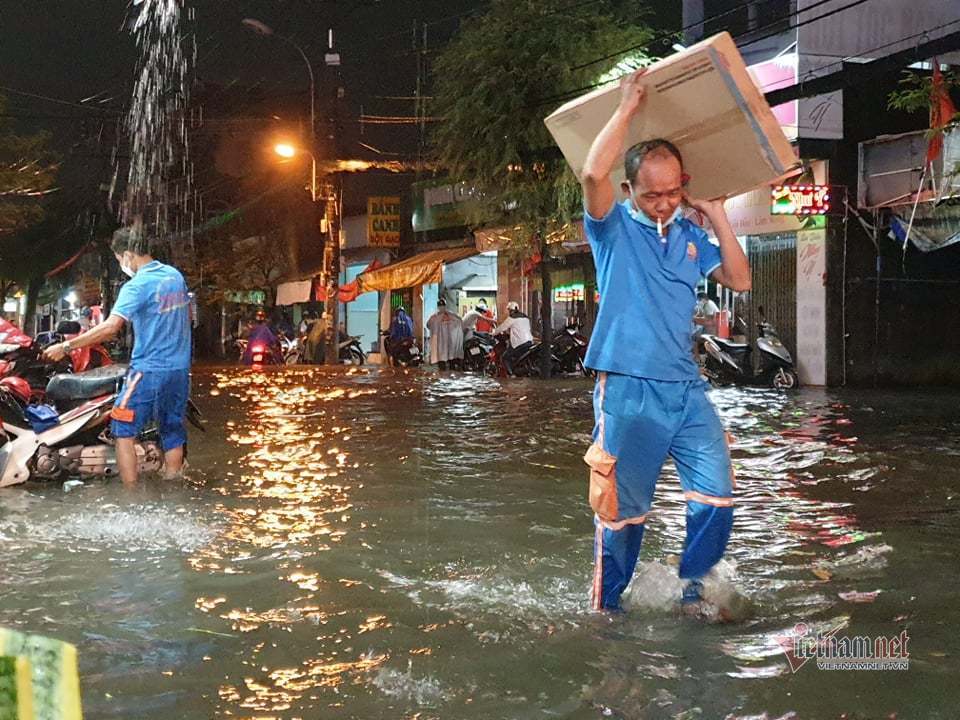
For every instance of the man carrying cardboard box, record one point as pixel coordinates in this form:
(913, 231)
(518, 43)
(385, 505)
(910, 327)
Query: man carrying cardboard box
(649, 400)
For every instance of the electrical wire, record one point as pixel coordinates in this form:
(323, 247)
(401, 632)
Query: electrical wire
(574, 93)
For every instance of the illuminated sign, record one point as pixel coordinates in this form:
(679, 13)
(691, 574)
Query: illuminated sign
(383, 222)
(568, 293)
(800, 200)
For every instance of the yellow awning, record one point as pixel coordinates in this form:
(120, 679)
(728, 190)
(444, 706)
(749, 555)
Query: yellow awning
(417, 270)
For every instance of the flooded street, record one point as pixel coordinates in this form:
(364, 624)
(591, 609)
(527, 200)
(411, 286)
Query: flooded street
(383, 544)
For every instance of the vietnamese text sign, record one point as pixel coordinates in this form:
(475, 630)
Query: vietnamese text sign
(383, 222)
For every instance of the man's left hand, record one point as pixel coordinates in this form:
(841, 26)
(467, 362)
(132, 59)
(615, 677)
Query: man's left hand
(710, 208)
(55, 353)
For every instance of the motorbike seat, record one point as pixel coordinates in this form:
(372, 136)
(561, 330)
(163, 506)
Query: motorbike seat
(728, 345)
(85, 385)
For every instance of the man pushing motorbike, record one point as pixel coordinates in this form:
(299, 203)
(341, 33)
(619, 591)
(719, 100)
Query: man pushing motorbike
(649, 401)
(155, 302)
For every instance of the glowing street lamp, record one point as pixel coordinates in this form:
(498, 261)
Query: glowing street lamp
(288, 151)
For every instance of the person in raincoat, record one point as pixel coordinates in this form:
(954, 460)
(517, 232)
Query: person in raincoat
(446, 336)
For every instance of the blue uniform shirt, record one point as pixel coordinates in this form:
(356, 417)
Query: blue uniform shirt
(155, 302)
(647, 295)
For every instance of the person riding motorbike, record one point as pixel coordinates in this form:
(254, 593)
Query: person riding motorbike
(259, 334)
(401, 328)
(521, 337)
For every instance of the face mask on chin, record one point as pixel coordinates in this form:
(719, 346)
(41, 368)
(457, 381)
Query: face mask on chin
(642, 218)
(127, 270)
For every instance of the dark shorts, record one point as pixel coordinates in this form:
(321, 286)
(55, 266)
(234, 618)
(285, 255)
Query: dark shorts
(154, 396)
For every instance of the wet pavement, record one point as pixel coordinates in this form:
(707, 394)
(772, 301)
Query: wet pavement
(380, 544)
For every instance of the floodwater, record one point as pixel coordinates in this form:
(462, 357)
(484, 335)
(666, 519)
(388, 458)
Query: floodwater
(417, 545)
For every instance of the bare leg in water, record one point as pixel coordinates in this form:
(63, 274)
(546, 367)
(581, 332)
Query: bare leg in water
(173, 462)
(127, 461)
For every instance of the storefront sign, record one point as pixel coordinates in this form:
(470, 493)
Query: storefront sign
(568, 293)
(800, 200)
(383, 222)
(440, 205)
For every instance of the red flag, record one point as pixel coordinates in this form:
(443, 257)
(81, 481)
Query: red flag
(942, 111)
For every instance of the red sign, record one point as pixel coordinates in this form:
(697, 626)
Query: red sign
(800, 200)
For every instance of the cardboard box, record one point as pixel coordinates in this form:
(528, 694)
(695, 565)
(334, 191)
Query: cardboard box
(703, 100)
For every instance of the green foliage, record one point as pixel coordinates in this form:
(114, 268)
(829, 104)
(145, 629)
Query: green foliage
(916, 91)
(27, 175)
(493, 88)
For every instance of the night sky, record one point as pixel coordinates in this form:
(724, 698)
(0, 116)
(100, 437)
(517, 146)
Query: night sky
(78, 51)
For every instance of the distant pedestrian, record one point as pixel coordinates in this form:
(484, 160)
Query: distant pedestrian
(446, 336)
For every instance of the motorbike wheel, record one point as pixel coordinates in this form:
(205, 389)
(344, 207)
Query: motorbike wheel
(491, 369)
(785, 379)
(355, 357)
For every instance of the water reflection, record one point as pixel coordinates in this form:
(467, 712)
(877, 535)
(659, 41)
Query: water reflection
(388, 544)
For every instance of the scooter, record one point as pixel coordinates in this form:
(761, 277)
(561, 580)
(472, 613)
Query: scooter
(476, 348)
(259, 353)
(526, 365)
(570, 347)
(727, 362)
(351, 353)
(405, 352)
(75, 439)
(22, 356)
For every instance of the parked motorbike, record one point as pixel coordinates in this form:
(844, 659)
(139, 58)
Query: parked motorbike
(22, 356)
(74, 437)
(570, 348)
(727, 362)
(476, 349)
(405, 352)
(527, 365)
(291, 349)
(351, 353)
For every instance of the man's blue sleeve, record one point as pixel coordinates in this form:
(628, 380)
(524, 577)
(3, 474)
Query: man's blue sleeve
(596, 229)
(128, 300)
(708, 254)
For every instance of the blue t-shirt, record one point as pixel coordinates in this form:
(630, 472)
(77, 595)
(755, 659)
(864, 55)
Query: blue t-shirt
(647, 295)
(156, 303)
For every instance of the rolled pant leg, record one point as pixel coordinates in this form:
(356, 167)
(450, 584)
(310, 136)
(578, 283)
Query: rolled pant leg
(615, 559)
(703, 462)
(628, 451)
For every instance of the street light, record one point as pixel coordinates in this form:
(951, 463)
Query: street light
(266, 31)
(284, 150)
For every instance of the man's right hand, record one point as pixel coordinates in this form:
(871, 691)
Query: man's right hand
(632, 92)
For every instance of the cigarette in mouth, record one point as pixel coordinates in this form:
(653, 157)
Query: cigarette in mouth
(659, 227)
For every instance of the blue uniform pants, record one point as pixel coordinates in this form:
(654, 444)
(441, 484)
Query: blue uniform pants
(639, 423)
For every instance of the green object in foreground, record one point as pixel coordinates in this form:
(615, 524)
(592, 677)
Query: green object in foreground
(16, 690)
(53, 675)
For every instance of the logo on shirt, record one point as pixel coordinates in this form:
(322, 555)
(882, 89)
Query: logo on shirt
(691, 251)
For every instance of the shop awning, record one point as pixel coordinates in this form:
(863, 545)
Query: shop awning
(417, 270)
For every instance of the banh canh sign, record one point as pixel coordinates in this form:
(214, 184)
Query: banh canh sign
(799, 199)
(383, 222)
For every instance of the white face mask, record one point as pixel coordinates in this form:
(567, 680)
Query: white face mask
(128, 271)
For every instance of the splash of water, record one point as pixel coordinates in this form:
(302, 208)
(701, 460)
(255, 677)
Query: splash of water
(160, 174)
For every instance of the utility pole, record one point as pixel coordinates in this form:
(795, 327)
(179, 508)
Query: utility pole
(333, 195)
